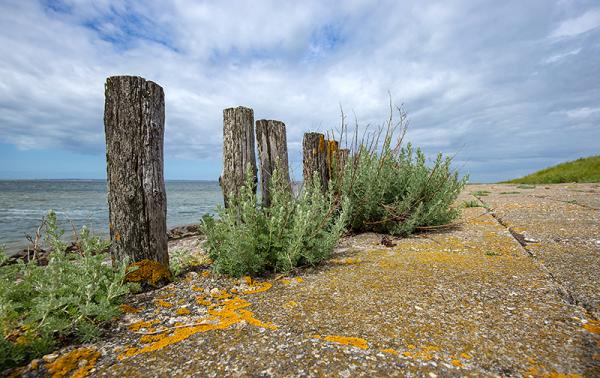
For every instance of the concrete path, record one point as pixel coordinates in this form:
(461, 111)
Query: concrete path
(511, 291)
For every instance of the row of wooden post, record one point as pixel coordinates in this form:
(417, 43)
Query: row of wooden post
(134, 121)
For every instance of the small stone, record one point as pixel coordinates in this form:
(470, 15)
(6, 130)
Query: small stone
(50, 357)
(418, 308)
(432, 375)
(214, 291)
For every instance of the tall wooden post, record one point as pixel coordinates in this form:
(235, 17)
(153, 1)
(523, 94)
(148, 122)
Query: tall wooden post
(315, 158)
(238, 150)
(134, 123)
(273, 153)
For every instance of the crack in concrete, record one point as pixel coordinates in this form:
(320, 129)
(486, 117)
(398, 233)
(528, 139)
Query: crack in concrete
(563, 292)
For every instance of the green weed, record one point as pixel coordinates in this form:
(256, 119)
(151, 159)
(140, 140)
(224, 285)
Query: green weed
(471, 203)
(249, 239)
(66, 300)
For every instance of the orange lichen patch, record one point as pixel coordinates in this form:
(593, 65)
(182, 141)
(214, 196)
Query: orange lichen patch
(537, 370)
(183, 311)
(142, 324)
(425, 354)
(390, 351)
(221, 295)
(150, 272)
(79, 362)
(206, 273)
(145, 339)
(346, 261)
(257, 287)
(456, 363)
(592, 326)
(166, 295)
(348, 340)
(202, 301)
(197, 288)
(163, 303)
(127, 309)
(221, 316)
(466, 356)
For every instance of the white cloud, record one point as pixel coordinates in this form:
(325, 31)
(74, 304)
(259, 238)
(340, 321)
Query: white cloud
(584, 112)
(464, 70)
(577, 25)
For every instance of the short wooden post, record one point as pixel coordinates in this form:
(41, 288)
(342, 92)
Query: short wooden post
(340, 160)
(134, 123)
(332, 163)
(315, 158)
(238, 150)
(273, 153)
(343, 155)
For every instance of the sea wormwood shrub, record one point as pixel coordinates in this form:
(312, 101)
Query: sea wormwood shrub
(41, 307)
(393, 190)
(293, 231)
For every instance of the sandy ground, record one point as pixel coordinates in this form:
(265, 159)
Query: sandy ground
(512, 290)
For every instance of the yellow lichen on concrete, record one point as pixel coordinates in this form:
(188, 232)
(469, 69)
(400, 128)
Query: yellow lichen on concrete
(142, 324)
(424, 354)
(290, 304)
(148, 271)
(592, 326)
(390, 351)
(127, 309)
(221, 316)
(77, 363)
(346, 261)
(257, 287)
(348, 340)
(145, 339)
(183, 311)
(538, 371)
(202, 301)
(163, 303)
(221, 295)
(288, 281)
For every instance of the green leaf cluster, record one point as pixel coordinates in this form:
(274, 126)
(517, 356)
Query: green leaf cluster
(249, 239)
(393, 189)
(41, 307)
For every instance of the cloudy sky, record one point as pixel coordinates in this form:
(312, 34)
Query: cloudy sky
(506, 86)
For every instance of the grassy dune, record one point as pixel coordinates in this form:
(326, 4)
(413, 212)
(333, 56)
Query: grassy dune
(580, 170)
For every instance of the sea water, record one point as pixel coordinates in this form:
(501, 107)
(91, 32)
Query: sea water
(23, 203)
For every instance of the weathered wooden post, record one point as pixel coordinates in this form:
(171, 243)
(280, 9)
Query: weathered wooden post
(273, 153)
(315, 158)
(134, 123)
(238, 150)
(332, 163)
(343, 155)
(337, 165)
